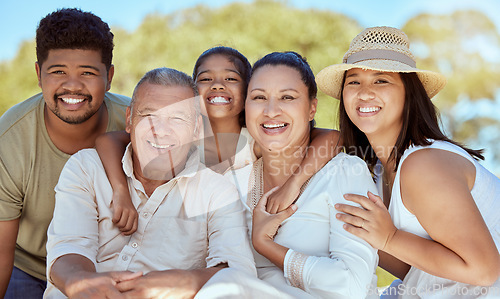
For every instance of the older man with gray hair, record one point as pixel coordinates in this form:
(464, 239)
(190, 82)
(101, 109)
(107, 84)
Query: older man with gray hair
(191, 222)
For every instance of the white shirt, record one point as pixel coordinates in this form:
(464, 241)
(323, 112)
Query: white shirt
(328, 261)
(193, 221)
(486, 195)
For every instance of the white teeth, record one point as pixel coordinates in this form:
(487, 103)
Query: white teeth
(369, 109)
(72, 101)
(160, 146)
(219, 100)
(273, 126)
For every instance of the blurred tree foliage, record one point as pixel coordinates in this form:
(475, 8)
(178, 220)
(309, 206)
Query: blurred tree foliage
(465, 46)
(445, 43)
(255, 29)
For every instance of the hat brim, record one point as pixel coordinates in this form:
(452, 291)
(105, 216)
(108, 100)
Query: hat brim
(329, 80)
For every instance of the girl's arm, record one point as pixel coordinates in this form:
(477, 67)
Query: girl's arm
(392, 265)
(324, 146)
(111, 147)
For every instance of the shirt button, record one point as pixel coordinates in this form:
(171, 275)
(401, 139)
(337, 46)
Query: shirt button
(124, 257)
(134, 245)
(145, 214)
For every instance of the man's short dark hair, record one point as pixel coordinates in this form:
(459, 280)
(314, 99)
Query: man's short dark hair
(71, 28)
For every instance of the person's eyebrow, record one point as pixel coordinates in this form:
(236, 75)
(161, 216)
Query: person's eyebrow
(146, 110)
(56, 66)
(289, 89)
(233, 71)
(228, 70)
(80, 66)
(89, 67)
(181, 113)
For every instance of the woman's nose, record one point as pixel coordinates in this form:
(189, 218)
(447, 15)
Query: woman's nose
(273, 108)
(366, 93)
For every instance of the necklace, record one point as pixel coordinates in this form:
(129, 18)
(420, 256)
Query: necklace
(256, 184)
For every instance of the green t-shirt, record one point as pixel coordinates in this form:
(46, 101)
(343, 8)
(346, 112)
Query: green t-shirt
(30, 165)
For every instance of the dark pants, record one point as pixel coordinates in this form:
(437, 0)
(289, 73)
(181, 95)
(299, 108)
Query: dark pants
(24, 286)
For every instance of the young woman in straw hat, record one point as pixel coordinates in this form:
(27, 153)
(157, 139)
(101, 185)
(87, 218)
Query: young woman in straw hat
(444, 205)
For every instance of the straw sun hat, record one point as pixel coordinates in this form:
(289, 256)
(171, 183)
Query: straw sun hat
(378, 48)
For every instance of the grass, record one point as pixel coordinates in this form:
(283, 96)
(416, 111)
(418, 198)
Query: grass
(384, 278)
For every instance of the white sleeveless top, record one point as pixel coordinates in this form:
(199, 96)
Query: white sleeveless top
(486, 194)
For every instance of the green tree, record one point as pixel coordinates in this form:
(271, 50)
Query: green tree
(465, 46)
(176, 40)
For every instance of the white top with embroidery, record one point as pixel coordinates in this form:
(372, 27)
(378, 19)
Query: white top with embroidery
(324, 260)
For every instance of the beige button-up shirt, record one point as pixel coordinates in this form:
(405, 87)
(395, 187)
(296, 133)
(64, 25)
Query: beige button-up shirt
(195, 220)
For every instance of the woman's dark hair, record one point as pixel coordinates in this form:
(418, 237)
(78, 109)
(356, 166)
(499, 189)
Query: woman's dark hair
(295, 61)
(71, 28)
(240, 62)
(420, 125)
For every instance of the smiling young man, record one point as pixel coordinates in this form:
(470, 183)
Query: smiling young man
(74, 53)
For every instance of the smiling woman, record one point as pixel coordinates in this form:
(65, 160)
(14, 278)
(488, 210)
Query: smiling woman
(278, 109)
(436, 224)
(311, 255)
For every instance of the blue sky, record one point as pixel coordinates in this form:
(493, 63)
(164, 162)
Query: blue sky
(18, 18)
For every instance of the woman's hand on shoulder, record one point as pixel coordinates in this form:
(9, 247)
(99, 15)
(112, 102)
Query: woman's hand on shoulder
(370, 222)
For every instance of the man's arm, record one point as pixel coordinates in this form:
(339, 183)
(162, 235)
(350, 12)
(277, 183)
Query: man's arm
(169, 283)
(76, 277)
(8, 235)
(73, 242)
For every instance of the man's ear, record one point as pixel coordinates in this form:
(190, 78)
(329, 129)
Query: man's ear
(38, 73)
(111, 73)
(128, 119)
(198, 129)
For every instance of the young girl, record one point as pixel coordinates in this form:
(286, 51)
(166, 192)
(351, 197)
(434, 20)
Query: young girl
(444, 205)
(221, 75)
